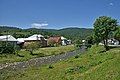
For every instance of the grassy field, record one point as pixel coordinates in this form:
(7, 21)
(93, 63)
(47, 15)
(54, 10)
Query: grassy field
(95, 64)
(41, 52)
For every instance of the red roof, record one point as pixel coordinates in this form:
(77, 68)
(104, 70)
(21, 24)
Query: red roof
(56, 39)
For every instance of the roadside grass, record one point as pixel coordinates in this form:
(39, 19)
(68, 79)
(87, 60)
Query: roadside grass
(24, 55)
(95, 64)
(55, 50)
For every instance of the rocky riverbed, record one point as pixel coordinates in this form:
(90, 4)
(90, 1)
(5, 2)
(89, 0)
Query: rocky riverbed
(40, 61)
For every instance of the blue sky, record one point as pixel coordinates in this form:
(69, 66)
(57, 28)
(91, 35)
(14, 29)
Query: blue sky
(56, 13)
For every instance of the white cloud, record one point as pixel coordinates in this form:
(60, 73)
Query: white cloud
(10, 26)
(39, 25)
(111, 4)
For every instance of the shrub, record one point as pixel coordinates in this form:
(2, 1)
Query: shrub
(77, 56)
(78, 43)
(51, 43)
(70, 70)
(41, 55)
(62, 52)
(7, 48)
(77, 68)
(32, 46)
(82, 68)
(50, 67)
(20, 55)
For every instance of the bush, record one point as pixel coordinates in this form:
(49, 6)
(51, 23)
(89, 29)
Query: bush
(62, 52)
(41, 55)
(77, 56)
(70, 70)
(78, 43)
(7, 48)
(51, 43)
(31, 47)
(88, 45)
(82, 69)
(50, 67)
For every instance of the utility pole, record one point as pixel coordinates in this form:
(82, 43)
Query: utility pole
(7, 39)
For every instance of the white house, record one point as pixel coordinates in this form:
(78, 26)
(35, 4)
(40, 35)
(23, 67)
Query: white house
(69, 42)
(111, 41)
(20, 40)
(8, 38)
(33, 38)
(83, 41)
(65, 41)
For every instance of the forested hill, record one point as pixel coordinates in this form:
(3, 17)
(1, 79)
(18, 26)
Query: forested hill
(71, 33)
(75, 32)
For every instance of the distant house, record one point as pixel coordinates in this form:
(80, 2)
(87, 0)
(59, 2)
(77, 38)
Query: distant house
(8, 38)
(111, 41)
(33, 38)
(58, 40)
(83, 41)
(52, 41)
(69, 42)
(65, 41)
(21, 42)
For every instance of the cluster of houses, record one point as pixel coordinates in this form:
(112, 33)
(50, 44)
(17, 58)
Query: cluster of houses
(111, 42)
(57, 40)
(60, 40)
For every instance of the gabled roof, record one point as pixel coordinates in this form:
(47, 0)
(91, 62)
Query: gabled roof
(7, 38)
(31, 38)
(55, 38)
(63, 38)
(35, 37)
(20, 40)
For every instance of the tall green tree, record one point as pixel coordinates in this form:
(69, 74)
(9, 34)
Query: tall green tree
(90, 39)
(103, 26)
(117, 34)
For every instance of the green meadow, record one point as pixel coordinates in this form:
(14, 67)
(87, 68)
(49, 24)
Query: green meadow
(94, 64)
(24, 55)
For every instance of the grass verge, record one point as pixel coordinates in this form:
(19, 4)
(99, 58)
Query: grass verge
(93, 65)
(41, 52)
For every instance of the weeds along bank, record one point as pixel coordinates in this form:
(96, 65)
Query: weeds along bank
(24, 55)
(93, 65)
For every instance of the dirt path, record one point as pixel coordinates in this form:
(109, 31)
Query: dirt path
(40, 61)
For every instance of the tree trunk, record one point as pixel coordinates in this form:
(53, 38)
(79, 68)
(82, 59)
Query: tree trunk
(106, 45)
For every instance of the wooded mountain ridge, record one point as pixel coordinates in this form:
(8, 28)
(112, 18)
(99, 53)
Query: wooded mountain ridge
(70, 33)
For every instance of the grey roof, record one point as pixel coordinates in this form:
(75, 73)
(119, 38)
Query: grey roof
(7, 38)
(35, 37)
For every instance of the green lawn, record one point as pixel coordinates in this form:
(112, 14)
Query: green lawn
(95, 64)
(41, 52)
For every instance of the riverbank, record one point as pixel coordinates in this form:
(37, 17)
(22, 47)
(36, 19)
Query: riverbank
(95, 64)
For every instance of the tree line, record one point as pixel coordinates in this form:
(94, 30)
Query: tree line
(104, 28)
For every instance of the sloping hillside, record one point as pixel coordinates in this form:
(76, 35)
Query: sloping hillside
(71, 33)
(75, 32)
(95, 64)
